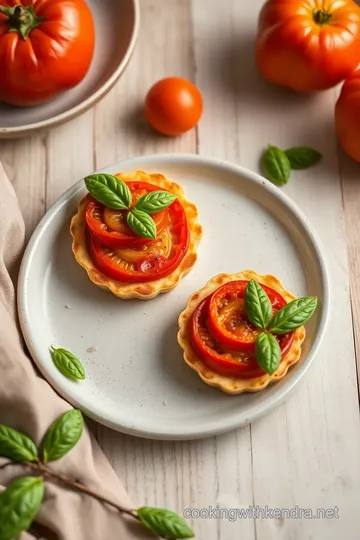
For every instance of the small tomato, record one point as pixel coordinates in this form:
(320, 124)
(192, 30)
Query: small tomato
(173, 106)
(308, 45)
(347, 116)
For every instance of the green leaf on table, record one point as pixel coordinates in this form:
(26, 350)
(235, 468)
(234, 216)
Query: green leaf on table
(16, 446)
(276, 165)
(62, 435)
(293, 315)
(141, 223)
(302, 157)
(257, 304)
(164, 523)
(109, 190)
(267, 352)
(155, 201)
(68, 364)
(19, 505)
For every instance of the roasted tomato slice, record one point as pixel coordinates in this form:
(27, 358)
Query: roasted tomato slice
(241, 365)
(149, 262)
(109, 226)
(228, 322)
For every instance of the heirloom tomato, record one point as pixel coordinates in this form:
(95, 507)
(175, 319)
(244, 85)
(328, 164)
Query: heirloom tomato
(308, 45)
(46, 47)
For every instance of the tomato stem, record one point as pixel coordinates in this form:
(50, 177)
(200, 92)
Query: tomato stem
(21, 19)
(322, 17)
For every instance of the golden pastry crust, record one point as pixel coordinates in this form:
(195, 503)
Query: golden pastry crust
(143, 291)
(232, 385)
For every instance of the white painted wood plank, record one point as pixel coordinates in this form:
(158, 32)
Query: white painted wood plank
(69, 155)
(164, 49)
(351, 194)
(306, 452)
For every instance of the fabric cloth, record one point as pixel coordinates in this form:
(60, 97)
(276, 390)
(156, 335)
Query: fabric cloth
(30, 405)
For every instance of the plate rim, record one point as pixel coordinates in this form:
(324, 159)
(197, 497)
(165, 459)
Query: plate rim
(86, 104)
(256, 411)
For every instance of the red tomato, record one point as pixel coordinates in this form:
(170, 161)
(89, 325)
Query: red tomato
(228, 322)
(347, 116)
(308, 45)
(173, 106)
(109, 226)
(46, 47)
(149, 265)
(242, 365)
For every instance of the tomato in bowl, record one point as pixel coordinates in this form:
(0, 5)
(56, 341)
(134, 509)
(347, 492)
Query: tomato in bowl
(45, 49)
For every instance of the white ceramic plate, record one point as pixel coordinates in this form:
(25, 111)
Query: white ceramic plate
(116, 26)
(137, 381)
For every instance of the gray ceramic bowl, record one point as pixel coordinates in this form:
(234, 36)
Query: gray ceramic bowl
(117, 26)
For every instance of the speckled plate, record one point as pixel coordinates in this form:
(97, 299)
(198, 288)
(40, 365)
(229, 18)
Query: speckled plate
(137, 381)
(117, 27)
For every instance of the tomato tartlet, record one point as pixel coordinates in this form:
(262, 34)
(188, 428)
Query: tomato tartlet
(135, 234)
(243, 331)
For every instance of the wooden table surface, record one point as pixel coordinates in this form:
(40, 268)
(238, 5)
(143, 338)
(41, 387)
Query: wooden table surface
(307, 452)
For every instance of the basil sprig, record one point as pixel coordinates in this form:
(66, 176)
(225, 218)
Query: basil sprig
(277, 163)
(20, 502)
(114, 193)
(287, 319)
(68, 364)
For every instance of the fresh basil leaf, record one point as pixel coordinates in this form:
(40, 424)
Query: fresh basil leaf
(16, 446)
(68, 364)
(19, 505)
(302, 157)
(293, 315)
(109, 190)
(62, 435)
(257, 304)
(276, 165)
(164, 523)
(155, 201)
(267, 352)
(141, 223)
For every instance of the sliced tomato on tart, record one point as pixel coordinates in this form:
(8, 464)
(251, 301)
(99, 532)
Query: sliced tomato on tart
(118, 257)
(218, 339)
(153, 260)
(218, 352)
(227, 319)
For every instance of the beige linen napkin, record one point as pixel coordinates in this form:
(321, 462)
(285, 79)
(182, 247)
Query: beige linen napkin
(30, 405)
